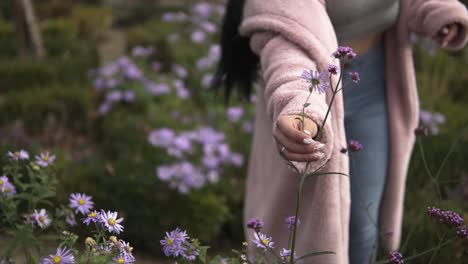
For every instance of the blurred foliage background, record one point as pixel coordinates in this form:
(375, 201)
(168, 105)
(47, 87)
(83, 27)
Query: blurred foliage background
(59, 103)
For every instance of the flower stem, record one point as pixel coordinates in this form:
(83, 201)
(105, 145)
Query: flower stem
(428, 171)
(298, 206)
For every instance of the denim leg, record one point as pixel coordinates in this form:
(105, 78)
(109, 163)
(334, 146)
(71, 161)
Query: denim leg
(366, 121)
(367, 171)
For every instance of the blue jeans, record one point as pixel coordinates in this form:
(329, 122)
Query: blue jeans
(366, 121)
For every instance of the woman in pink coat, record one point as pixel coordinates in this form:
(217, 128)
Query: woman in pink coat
(273, 42)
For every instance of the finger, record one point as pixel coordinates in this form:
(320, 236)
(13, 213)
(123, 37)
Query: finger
(292, 146)
(452, 33)
(303, 157)
(291, 129)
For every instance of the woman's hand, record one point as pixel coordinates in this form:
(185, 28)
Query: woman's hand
(293, 143)
(447, 34)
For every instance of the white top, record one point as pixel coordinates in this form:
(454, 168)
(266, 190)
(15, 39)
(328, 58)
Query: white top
(356, 18)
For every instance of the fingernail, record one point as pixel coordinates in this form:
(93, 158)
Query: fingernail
(308, 141)
(307, 132)
(320, 146)
(445, 31)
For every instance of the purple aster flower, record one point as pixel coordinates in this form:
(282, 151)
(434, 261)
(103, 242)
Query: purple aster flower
(139, 51)
(202, 9)
(114, 96)
(198, 36)
(191, 252)
(172, 242)
(212, 176)
(208, 27)
(70, 219)
(92, 217)
(111, 221)
(285, 255)
(165, 173)
(41, 218)
(163, 137)
(125, 249)
(255, 224)
(206, 80)
(320, 81)
(104, 108)
(263, 241)
(234, 113)
(290, 221)
(182, 142)
(354, 77)
(431, 121)
(99, 84)
(18, 155)
(81, 203)
(332, 69)
(207, 135)
(132, 72)
(204, 63)
(45, 159)
(61, 256)
(156, 88)
(6, 187)
(123, 259)
(210, 161)
(395, 257)
(355, 145)
(179, 71)
(168, 17)
(462, 232)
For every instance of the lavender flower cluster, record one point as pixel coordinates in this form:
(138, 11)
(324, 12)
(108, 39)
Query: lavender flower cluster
(184, 175)
(448, 218)
(395, 257)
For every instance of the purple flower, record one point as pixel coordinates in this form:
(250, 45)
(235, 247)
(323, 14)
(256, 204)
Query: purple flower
(172, 242)
(6, 187)
(354, 77)
(123, 259)
(206, 80)
(448, 218)
(234, 113)
(236, 159)
(132, 72)
(198, 36)
(355, 145)
(92, 217)
(165, 173)
(104, 108)
(45, 159)
(125, 249)
(290, 221)
(182, 143)
(203, 9)
(61, 256)
(70, 219)
(163, 137)
(262, 241)
(179, 71)
(344, 52)
(462, 232)
(191, 252)
(320, 81)
(395, 257)
(40, 218)
(18, 155)
(332, 69)
(431, 121)
(111, 221)
(208, 27)
(255, 224)
(210, 161)
(139, 51)
(156, 88)
(81, 203)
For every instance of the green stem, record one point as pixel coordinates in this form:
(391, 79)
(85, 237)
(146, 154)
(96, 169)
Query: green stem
(452, 148)
(438, 247)
(296, 220)
(428, 171)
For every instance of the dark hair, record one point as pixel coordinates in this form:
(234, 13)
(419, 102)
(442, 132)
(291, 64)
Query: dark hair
(238, 64)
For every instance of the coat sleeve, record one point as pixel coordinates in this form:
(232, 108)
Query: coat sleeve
(281, 65)
(427, 17)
